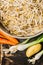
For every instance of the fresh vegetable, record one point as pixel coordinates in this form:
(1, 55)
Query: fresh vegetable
(33, 49)
(4, 41)
(37, 57)
(13, 49)
(24, 42)
(13, 40)
(1, 36)
(24, 46)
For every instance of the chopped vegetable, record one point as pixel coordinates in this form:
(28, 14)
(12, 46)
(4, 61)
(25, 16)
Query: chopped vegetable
(13, 40)
(33, 49)
(24, 46)
(37, 57)
(4, 41)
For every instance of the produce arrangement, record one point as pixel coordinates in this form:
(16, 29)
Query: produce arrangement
(32, 48)
(21, 32)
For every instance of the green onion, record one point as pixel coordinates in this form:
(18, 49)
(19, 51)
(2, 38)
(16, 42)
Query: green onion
(23, 47)
(37, 57)
(13, 49)
(24, 42)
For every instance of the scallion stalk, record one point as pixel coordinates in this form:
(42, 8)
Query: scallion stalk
(23, 47)
(37, 57)
(13, 49)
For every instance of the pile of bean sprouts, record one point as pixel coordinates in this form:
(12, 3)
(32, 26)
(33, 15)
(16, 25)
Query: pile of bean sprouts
(22, 17)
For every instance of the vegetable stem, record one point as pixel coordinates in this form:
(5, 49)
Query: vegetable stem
(24, 42)
(23, 47)
(37, 57)
(13, 49)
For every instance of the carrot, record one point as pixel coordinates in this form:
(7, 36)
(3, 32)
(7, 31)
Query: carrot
(4, 41)
(15, 41)
(1, 36)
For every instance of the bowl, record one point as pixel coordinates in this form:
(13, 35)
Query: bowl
(18, 37)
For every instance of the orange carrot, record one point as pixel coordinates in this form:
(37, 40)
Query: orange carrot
(15, 41)
(1, 36)
(4, 41)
